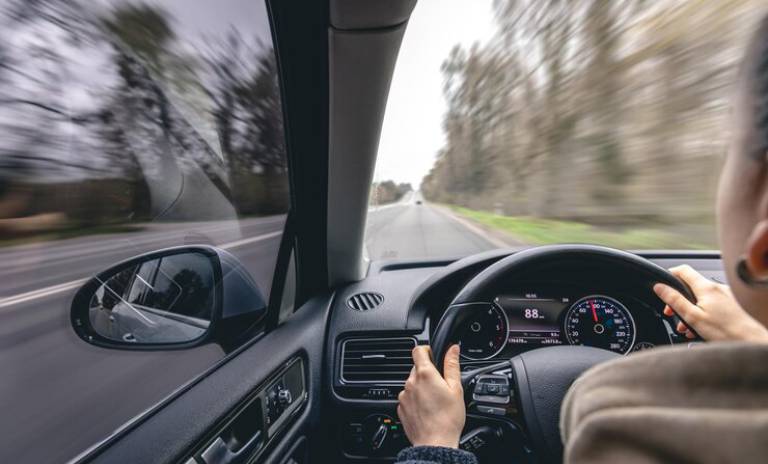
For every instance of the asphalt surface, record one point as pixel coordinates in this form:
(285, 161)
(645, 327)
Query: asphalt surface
(59, 395)
(412, 230)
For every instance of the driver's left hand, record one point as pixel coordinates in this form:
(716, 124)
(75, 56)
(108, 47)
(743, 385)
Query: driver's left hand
(432, 406)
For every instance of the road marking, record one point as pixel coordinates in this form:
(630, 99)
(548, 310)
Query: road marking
(246, 241)
(472, 228)
(52, 290)
(40, 293)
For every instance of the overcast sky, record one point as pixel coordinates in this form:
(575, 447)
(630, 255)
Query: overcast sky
(412, 134)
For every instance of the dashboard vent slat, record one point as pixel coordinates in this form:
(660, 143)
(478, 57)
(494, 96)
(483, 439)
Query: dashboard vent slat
(377, 360)
(365, 301)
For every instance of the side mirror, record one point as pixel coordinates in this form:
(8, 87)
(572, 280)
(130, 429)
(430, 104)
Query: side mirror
(169, 299)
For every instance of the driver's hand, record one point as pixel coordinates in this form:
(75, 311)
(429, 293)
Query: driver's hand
(432, 407)
(716, 316)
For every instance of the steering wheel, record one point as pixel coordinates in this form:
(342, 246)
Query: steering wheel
(537, 379)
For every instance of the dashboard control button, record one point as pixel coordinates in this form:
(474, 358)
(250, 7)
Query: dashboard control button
(376, 436)
(378, 394)
(355, 428)
(379, 436)
(284, 397)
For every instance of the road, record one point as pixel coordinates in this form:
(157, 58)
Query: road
(415, 229)
(60, 395)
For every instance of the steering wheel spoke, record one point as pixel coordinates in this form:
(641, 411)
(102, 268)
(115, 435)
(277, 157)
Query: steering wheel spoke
(496, 425)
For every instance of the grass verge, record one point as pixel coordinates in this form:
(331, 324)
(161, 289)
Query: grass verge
(536, 231)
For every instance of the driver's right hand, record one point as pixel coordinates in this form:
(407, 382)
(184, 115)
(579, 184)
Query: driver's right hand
(432, 406)
(716, 316)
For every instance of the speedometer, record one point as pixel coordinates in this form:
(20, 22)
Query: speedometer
(601, 322)
(484, 335)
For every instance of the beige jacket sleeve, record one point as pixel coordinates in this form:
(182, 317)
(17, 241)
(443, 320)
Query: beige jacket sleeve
(706, 404)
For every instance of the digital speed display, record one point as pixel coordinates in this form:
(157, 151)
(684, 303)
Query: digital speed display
(533, 321)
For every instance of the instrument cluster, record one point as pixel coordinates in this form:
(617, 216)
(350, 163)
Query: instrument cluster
(518, 322)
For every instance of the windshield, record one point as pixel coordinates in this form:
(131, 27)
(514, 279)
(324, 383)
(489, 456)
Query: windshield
(513, 123)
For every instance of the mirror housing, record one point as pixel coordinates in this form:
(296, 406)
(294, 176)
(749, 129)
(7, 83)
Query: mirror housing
(169, 299)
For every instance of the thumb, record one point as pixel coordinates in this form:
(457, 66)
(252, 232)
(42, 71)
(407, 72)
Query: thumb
(451, 368)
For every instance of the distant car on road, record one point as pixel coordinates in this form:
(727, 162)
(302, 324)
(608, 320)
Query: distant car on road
(418, 202)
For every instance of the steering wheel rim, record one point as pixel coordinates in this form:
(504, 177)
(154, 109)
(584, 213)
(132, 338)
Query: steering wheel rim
(540, 391)
(472, 293)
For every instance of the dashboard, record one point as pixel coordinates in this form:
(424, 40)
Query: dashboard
(577, 303)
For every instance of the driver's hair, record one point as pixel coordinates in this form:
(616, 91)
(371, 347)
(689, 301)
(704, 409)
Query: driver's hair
(753, 92)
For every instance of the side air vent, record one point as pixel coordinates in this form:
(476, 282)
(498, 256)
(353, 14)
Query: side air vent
(365, 301)
(377, 360)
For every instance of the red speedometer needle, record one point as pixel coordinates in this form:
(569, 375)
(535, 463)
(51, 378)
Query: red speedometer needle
(594, 312)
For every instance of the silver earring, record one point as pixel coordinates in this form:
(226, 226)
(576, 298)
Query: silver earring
(742, 270)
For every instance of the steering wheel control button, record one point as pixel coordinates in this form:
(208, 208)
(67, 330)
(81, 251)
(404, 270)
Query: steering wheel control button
(473, 443)
(491, 410)
(492, 388)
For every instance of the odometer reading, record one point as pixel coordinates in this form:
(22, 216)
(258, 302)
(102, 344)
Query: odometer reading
(601, 322)
(484, 334)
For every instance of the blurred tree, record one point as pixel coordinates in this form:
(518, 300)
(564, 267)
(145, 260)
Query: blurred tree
(145, 30)
(388, 192)
(603, 112)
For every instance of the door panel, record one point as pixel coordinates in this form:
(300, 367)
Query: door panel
(191, 418)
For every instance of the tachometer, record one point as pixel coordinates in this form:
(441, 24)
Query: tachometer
(601, 322)
(484, 335)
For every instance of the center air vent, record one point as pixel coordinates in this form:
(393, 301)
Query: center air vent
(365, 301)
(377, 360)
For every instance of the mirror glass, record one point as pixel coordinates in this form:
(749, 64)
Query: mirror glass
(169, 299)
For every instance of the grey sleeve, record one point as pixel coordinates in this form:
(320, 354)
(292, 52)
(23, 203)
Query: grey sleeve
(434, 455)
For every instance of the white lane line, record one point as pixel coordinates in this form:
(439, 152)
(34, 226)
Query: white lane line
(472, 228)
(52, 290)
(40, 293)
(246, 241)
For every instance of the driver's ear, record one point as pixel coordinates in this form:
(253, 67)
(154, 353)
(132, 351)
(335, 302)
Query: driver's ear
(757, 250)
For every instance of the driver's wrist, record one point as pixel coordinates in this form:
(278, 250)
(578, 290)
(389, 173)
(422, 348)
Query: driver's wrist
(443, 442)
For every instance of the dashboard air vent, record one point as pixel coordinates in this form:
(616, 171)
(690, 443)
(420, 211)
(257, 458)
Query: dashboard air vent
(365, 301)
(377, 360)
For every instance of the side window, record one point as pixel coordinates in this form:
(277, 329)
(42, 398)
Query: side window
(126, 126)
